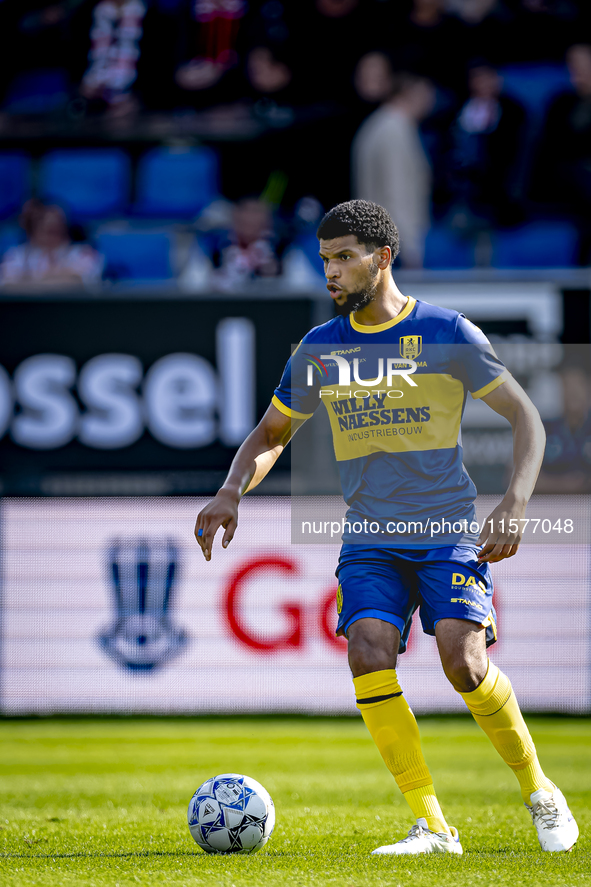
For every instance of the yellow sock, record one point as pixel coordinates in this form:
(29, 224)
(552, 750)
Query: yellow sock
(394, 730)
(495, 709)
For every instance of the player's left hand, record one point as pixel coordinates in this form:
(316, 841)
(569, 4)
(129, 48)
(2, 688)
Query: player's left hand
(222, 511)
(501, 532)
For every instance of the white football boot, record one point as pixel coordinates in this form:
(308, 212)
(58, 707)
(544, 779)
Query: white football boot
(421, 840)
(555, 824)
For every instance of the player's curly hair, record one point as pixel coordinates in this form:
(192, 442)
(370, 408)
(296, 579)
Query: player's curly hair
(371, 224)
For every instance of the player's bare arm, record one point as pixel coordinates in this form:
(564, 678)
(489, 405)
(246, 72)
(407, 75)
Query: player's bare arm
(501, 540)
(252, 463)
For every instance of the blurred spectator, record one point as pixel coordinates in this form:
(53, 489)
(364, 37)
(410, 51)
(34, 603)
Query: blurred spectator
(339, 32)
(242, 242)
(270, 103)
(432, 43)
(543, 29)
(266, 72)
(374, 82)
(212, 37)
(567, 460)
(250, 248)
(472, 11)
(336, 8)
(489, 28)
(301, 264)
(45, 30)
(485, 152)
(114, 53)
(270, 82)
(563, 176)
(390, 166)
(374, 78)
(48, 258)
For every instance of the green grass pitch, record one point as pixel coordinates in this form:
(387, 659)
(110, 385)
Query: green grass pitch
(103, 802)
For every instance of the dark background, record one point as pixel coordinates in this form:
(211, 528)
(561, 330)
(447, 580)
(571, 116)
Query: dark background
(148, 329)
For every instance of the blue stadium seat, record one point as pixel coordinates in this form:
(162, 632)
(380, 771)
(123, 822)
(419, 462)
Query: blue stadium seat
(172, 183)
(89, 183)
(537, 245)
(10, 235)
(15, 175)
(308, 243)
(38, 92)
(136, 256)
(535, 85)
(447, 250)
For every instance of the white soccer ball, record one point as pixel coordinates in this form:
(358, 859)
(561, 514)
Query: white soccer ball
(231, 814)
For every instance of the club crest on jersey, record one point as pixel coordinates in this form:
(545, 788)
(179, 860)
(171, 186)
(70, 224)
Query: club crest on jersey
(411, 346)
(143, 575)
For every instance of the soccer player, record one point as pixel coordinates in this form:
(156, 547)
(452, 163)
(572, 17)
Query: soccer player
(399, 455)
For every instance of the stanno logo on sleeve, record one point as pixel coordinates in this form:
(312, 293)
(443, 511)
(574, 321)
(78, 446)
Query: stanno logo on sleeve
(411, 346)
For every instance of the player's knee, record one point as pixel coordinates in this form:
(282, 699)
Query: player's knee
(365, 661)
(365, 656)
(373, 646)
(464, 675)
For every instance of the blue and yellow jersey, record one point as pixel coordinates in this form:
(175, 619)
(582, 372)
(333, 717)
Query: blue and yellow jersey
(395, 394)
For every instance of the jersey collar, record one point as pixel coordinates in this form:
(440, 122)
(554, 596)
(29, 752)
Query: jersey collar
(380, 327)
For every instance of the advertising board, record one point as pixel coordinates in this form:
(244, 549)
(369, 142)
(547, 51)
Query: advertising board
(92, 389)
(109, 606)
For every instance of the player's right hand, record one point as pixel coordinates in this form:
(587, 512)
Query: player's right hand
(222, 511)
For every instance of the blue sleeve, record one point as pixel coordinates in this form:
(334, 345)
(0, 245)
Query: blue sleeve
(475, 362)
(297, 394)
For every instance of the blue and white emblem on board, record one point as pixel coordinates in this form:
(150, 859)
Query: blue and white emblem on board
(143, 575)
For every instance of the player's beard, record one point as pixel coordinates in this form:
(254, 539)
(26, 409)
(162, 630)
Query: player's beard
(361, 298)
